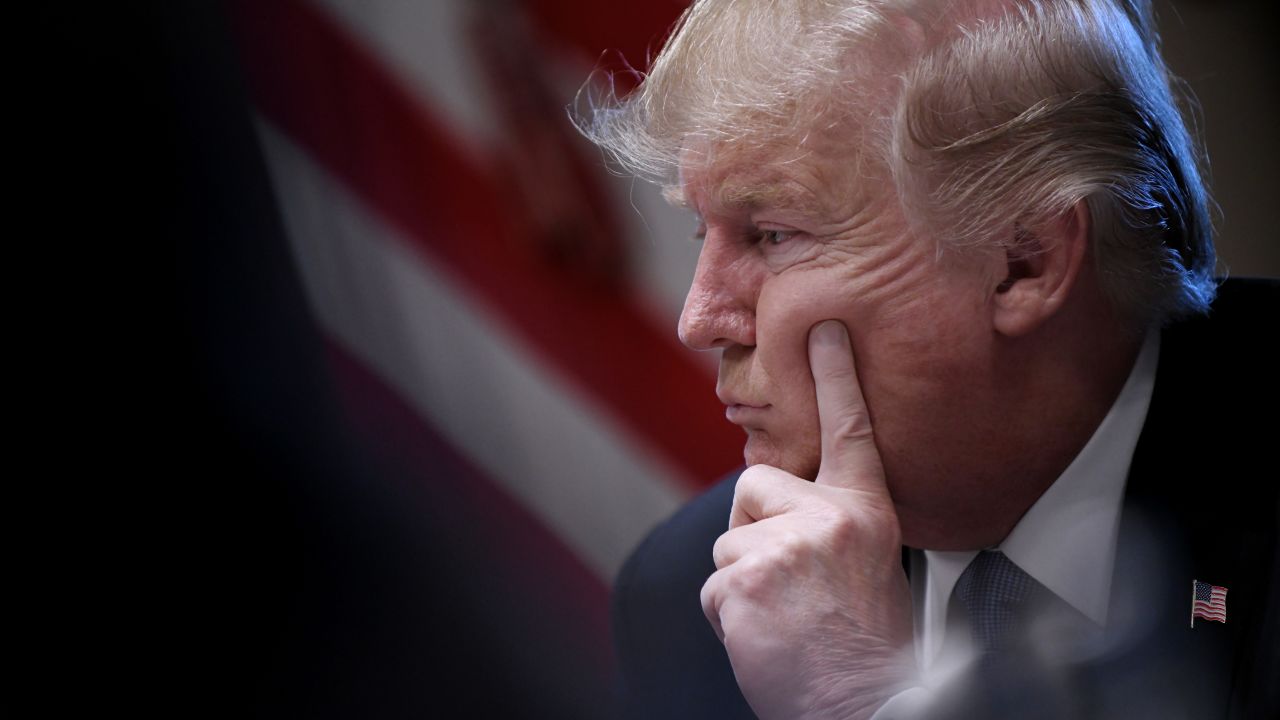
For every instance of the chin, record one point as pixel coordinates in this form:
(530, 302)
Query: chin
(754, 455)
(760, 449)
(763, 449)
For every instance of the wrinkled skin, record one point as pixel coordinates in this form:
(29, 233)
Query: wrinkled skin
(790, 243)
(809, 596)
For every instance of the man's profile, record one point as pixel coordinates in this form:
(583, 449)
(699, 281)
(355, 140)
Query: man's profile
(958, 262)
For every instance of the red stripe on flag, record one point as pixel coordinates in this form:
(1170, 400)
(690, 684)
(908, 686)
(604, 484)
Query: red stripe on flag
(1214, 607)
(541, 587)
(335, 99)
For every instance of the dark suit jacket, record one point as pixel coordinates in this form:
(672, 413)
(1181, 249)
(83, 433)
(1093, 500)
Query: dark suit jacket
(1201, 503)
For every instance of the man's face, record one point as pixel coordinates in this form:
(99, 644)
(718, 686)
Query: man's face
(791, 239)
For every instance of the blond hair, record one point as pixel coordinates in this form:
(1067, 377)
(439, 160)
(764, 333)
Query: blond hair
(990, 118)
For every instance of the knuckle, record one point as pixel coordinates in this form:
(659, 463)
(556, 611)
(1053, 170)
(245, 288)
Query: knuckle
(752, 477)
(754, 482)
(719, 552)
(841, 372)
(791, 550)
(750, 576)
(843, 529)
(853, 426)
(886, 532)
(861, 524)
(707, 595)
(840, 520)
(742, 488)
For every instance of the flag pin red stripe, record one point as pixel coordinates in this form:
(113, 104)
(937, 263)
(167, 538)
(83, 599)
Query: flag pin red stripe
(1208, 602)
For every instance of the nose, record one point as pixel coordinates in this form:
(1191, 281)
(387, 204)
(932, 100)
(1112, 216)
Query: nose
(719, 310)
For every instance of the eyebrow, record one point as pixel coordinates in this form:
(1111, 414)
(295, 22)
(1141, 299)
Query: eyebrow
(774, 195)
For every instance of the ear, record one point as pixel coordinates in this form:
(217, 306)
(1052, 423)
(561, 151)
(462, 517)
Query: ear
(1041, 269)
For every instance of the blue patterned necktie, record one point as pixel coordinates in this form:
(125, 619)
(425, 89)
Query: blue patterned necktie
(992, 592)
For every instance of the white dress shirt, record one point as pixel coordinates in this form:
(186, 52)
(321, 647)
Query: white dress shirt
(1066, 540)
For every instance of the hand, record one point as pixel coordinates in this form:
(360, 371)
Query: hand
(809, 596)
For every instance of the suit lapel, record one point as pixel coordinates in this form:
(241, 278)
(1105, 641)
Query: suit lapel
(1176, 528)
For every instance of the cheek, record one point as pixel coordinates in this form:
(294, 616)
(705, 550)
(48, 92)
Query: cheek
(934, 332)
(917, 371)
(787, 310)
(784, 315)
(911, 334)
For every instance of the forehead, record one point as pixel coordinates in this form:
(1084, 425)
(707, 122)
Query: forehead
(730, 180)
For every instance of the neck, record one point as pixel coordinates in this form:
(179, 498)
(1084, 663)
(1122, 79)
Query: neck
(1049, 391)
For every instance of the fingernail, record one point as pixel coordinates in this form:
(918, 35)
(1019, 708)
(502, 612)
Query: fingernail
(829, 332)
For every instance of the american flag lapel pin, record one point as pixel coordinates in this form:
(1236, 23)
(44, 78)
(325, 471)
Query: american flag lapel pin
(1208, 602)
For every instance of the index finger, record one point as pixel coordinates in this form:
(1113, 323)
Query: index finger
(849, 455)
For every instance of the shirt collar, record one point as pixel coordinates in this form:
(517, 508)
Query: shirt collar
(1067, 539)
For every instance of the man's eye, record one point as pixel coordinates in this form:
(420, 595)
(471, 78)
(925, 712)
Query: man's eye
(775, 237)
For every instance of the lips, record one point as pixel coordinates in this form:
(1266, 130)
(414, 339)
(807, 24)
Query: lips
(740, 407)
(743, 413)
(731, 398)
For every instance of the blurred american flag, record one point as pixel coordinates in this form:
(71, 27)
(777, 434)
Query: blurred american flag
(498, 310)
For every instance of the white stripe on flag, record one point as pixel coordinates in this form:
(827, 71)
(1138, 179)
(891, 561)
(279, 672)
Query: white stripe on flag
(565, 459)
(427, 45)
